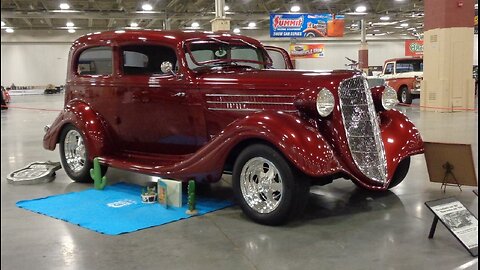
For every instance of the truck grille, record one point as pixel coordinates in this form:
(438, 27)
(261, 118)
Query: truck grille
(362, 129)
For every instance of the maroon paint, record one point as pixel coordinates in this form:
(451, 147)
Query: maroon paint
(195, 140)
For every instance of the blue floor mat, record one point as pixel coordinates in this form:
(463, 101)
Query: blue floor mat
(115, 210)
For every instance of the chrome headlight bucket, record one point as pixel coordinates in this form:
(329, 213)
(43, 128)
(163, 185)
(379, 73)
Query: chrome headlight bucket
(325, 102)
(389, 98)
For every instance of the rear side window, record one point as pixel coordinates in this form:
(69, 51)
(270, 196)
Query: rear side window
(146, 59)
(278, 59)
(95, 61)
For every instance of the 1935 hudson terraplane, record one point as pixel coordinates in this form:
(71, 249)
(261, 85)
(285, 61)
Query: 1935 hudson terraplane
(191, 105)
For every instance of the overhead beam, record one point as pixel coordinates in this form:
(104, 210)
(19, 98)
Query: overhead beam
(27, 21)
(130, 15)
(152, 22)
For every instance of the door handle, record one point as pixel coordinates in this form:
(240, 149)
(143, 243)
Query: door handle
(179, 94)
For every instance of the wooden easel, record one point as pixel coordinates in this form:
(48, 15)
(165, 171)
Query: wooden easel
(448, 172)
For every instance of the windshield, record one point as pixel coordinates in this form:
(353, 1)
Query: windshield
(409, 66)
(211, 53)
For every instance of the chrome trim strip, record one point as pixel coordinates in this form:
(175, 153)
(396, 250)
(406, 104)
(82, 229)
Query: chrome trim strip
(269, 96)
(247, 110)
(249, 102)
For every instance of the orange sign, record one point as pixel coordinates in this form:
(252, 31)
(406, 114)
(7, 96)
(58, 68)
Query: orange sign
(413, 47)
(307, 51)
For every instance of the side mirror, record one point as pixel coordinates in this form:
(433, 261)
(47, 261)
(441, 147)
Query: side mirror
(167, 67)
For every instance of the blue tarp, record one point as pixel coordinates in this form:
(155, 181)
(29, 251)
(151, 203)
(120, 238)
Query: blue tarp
(115, 210)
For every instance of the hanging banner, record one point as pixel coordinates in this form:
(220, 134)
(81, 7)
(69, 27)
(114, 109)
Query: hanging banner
(307, 51)
(306, 25)
(413, 47)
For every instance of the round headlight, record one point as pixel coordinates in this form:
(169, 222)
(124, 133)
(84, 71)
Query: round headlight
(389, 98)
(325, 102)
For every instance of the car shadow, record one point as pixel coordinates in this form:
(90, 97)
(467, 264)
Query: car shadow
(333, 202)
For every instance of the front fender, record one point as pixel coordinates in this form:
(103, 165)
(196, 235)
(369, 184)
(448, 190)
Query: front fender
(400, 138)
(298, 141)
(80, 115)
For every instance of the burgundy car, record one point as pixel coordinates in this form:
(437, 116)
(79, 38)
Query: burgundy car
(190, 105)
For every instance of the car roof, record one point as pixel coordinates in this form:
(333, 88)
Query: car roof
(171, 37)
(403, 58)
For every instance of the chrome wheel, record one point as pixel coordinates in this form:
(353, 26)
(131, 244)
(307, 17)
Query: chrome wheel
(404, 97)
(261, 185)
(74, 151)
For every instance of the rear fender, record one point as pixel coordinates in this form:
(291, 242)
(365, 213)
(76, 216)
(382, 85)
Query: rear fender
(80, 115)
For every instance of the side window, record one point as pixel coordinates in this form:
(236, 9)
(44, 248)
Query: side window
(95, 61)
(277, 59)
(146, 59)
(389, 69)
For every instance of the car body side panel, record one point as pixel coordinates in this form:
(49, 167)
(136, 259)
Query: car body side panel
(292, 141)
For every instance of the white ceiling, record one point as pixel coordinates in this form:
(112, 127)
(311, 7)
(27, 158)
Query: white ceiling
(179, 14)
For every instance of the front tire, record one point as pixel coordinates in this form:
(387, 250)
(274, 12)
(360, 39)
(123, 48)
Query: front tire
(268, 189)
(404, 95)
(400, 173)
(73, 155)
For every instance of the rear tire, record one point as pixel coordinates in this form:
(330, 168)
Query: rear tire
(74, 155)
(268, 189)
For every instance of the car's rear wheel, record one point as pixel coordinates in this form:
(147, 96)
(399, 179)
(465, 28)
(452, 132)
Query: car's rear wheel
(268, 189)
(404, 95)
(74, 155)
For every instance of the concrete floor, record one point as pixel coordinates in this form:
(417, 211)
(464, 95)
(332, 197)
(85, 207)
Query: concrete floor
(342, 228)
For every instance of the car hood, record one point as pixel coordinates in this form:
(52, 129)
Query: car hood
(270, 79)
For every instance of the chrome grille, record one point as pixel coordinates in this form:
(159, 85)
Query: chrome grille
(362, 129)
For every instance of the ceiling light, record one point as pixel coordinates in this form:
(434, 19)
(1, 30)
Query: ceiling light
(195, 25)
(376, 30)
(236, 30)
(70, 24)
(3, 23)
(64, 6)
(361, 9)
(71, 30)
(404, 25)
(133, 24)
(9, 30)
(147, 7)
(385, 18)
(226, 8)
(252, 24)
(295, 8)
(412, 29)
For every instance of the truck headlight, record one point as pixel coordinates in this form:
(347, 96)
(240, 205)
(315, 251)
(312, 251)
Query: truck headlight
(389, 98)
(325, 102)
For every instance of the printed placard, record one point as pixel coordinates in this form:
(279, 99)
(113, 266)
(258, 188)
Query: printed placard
(458, 220)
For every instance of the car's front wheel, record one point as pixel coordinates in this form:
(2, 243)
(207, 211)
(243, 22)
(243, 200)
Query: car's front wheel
(268, 189)
(405, 96)
(73, 154)
(400, 173)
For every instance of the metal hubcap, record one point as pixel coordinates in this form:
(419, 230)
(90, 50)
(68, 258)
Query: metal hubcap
(261, 185)
(74, 149)
(404, 96)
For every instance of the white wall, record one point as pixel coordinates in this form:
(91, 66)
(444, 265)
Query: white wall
(33, 64)
(40, 57)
